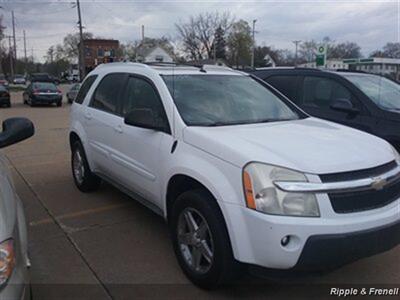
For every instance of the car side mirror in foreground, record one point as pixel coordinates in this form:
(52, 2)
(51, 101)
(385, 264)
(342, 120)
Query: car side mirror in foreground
(144, 118)
(344, 105)
(15, 130)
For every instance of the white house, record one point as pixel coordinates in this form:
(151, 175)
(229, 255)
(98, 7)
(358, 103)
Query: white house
(154, 54)
(269, 62)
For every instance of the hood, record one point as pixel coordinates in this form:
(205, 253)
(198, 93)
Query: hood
(309, 145)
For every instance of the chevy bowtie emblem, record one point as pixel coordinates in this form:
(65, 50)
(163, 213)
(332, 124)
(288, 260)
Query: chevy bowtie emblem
(378, 183)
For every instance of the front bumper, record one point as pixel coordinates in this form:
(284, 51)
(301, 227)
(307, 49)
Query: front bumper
(334, 250)
(315, 243)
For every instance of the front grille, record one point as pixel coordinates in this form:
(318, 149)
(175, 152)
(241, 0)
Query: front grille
(349, 202)
(359, 174)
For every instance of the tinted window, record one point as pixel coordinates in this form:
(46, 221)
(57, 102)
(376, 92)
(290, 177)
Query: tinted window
(285, 84)
(320, 92)
(384, 92)
(140, 94)
(44, 86)
(217, 100)
(106, 95)
(85, 88)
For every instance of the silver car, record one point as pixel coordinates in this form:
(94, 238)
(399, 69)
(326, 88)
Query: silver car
(14, 262)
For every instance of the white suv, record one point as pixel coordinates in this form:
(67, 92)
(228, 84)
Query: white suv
(242, 175)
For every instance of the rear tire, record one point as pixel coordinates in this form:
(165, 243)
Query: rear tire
(216, 265)
(59, 104)
(84, 179)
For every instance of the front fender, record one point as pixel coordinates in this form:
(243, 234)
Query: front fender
(222, 179)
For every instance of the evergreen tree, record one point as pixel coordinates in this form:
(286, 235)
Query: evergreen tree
(220, 43)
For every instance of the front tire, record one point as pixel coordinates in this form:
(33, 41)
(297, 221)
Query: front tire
(200, 240)
(84, 179)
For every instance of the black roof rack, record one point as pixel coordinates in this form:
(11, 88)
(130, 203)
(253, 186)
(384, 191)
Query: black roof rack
(350, 71)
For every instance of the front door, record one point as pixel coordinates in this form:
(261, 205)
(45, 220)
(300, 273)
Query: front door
(141, 151)
(317, 94)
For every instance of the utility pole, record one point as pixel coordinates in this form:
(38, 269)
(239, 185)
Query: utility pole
(25, 56)
(81, 49)
(11, 56)
(254, 45)
(15, 42)
(296, 42)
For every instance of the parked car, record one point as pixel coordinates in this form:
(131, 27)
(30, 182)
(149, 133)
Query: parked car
(14, 262)
(71, 94)
(3, 80)
(364, 101)
(241, 174)
(4, 96)
(42, 93)
(41, 77)
(19, 79)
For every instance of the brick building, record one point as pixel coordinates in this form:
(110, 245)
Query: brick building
(99, 51)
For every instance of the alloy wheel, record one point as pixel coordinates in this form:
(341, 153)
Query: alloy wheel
(195, 240)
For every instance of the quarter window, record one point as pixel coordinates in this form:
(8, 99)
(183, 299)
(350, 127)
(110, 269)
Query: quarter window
(106, 96)
(320, 92)
(85, 88)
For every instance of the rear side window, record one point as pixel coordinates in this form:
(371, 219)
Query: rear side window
(85, 89)
(106, 96)
(320, 92)
(285, 84)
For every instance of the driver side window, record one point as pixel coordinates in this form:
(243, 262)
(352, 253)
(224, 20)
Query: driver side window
(140, 94)
(320, 92)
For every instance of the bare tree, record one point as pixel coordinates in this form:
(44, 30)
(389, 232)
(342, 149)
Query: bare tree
(198, 33)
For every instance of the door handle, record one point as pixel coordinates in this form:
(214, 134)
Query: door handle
(88, 115)
(118, 128)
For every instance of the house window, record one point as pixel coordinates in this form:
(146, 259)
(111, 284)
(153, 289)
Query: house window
(100, 52)
(159, 58)
(88, 52)
(112, 53)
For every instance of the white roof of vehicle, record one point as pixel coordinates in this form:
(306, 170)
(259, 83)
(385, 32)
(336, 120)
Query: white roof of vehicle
(166, 69)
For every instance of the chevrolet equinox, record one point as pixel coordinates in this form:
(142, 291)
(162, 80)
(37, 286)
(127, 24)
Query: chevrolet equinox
(241, 174)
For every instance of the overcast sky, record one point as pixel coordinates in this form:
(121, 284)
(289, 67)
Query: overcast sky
(369, 23)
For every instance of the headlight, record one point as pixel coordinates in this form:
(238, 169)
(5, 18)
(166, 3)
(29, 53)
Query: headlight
(7, 260)
(262, 194)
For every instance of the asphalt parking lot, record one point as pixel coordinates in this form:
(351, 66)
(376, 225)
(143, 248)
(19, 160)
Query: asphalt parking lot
(105, 245)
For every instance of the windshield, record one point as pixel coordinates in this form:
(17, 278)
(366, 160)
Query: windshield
(216, 100)
(384, 92)
(45, 86)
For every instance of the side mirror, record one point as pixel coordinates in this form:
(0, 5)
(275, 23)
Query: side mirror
(144, 118)
(344, 105)
(15, 130)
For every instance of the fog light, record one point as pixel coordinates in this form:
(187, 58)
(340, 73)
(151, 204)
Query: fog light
(285, 240)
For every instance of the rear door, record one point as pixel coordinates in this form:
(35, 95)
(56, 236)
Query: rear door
(103, 122)
(318, 92)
